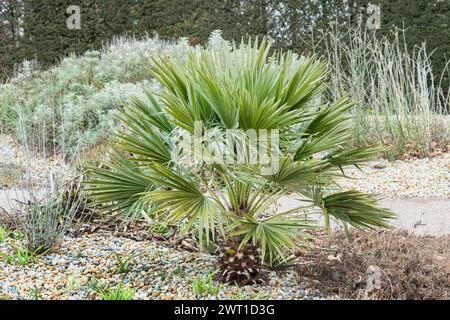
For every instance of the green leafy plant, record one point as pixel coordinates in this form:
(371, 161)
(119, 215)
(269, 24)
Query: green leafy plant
(42, 222)
(3, 234)
(167, 160)
(117, 293)
(21, 256)
(80, 255)
(205, 286)
(163, 276)
(124, 264)
(178, 271)
(17, 235)
(36, 294)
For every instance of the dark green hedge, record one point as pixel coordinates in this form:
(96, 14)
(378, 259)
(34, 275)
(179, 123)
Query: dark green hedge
(37, 28)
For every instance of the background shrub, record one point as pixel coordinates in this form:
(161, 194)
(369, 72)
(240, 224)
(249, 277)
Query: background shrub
(72, 105)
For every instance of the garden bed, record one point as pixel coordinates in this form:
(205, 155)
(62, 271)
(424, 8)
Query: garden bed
(117, 235)
(332, 267)
(156, 271)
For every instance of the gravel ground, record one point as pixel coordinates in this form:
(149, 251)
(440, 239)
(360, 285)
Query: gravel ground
(417, 178)
(161, 272)
(157, 272)
(18, 165)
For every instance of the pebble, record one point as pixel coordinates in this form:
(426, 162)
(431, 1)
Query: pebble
(35, 169)
(427, 178)
(413, 178)
(68, 273)
(72, 282)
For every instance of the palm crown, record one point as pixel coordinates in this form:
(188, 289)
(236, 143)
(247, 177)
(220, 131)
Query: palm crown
(232, 90)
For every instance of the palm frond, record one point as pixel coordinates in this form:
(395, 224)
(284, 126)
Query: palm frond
(147, 134)
(354, 157)
(330, 117)
(245, 197)
(120, 186)
(295, 175)
(274, 235)
(327, 130)
(181, 198)
(319, 143)
(357, 209)
(151, 111)
(303, 83)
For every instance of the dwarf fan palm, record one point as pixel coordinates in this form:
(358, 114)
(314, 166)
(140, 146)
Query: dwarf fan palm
(169, 160)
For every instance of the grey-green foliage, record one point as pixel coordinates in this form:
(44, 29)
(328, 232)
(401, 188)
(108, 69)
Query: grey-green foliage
(404, 106)
(44, 217)
(244, 88)
(72, 105)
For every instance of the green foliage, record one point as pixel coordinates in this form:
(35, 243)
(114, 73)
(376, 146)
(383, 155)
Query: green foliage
(243, 88)
(43, 223)
(122, 182)
(3, 234)
(357, 209)
(73, 105)
(10, 52)
(274, 235)
(160, 227)
(17, 235)
(21, 256)
(36, 294)
(205, 286)
(178, 271)
(37, 28)
(124, 264)
(117, 293)
(163, 276)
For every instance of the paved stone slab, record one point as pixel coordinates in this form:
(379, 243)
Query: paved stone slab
(418, 216)
(421, 216)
